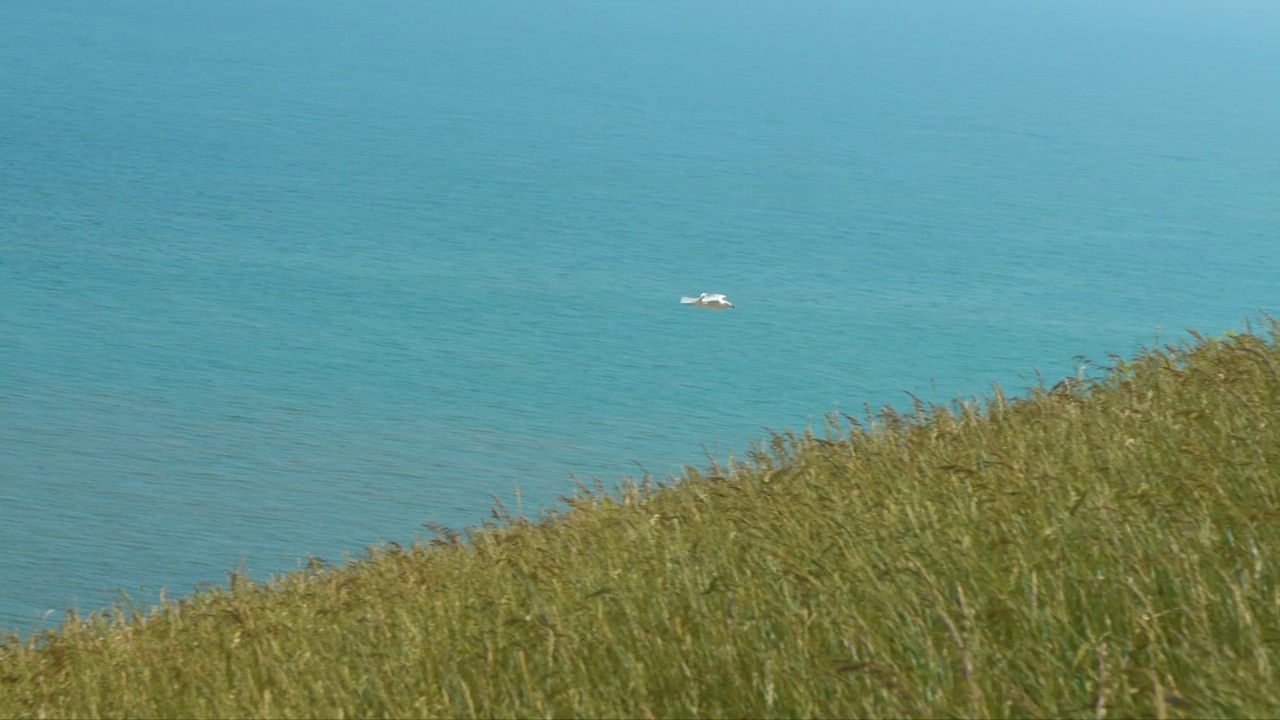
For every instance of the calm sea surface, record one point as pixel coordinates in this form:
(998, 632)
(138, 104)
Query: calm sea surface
(282, 278)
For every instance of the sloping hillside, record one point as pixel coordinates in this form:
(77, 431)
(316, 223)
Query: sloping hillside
(1096, 549)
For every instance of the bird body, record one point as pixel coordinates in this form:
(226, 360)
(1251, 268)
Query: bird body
(709, 301)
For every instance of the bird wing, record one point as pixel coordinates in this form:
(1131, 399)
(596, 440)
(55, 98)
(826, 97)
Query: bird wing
(688, 300)
(714, 298)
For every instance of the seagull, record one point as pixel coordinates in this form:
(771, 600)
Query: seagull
(710, 302)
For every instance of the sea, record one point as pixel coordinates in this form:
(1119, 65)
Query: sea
(287, 279)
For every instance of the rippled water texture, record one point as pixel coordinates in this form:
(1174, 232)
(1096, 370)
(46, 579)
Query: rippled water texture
(284, 278)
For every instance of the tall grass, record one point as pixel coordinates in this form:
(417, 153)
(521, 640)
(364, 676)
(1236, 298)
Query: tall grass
(1101, 548)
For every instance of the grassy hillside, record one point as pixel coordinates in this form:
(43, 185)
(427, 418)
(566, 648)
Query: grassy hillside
(1097, 549)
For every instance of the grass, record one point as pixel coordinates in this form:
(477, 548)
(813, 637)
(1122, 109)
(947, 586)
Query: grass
(1103, 548)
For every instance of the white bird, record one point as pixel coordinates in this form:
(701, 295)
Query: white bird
(710, 302)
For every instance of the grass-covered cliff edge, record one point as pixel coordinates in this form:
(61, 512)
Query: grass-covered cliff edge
(1098, 549)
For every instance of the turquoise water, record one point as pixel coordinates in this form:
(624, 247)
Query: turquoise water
(284, 278)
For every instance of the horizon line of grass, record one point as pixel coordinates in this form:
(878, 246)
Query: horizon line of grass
(1102, 548)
